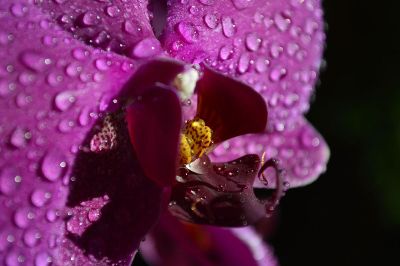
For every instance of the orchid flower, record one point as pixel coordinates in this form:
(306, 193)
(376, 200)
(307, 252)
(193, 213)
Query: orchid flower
(108, 127)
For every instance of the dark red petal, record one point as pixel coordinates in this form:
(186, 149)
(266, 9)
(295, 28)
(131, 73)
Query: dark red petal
(229, 107)
(222, 193)
(154, 123)
(160, 71)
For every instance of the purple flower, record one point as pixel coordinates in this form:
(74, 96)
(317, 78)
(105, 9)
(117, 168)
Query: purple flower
(78, 188)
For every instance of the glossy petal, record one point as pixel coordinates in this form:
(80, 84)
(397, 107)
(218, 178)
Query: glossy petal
(119, 26)
(173, 243)
(53, 89)
(154, 123)
(222, 193)
(229, 107)
(302, 152)
(274, 45)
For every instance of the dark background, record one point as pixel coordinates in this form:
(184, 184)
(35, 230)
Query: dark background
(351, 214)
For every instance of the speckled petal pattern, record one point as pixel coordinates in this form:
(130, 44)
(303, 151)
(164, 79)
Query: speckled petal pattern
(52, 90)
(273, 45)
(302, 152)
(119, 26)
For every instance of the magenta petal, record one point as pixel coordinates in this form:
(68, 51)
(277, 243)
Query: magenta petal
(154, 123)
(275, 46)
(173, 243)
(222, 193)
(302, 152)
(52, 90)
(119, 26)
(229, 107)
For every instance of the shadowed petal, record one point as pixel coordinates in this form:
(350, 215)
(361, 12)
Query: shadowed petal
(119, 26)
(53, 89)
(173, 243)
(222, 193)
(154, 123)
(229, 107)
(302, 152)
(274, 45)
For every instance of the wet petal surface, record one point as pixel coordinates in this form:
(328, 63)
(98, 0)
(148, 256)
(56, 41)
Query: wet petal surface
(57, 197)
(119, 26)
(275, 46)
(302, 152)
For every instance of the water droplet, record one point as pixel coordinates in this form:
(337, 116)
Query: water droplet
(188, 31)
(22, 217)
(19, 137)
(276, 50)
(64, 100)
(51, 216)
(35, 61)
(84, 116)
(112, 11)
(65, 125)
(228, 26)
(73, 70)
(131, 28)
(226, 52)
(40, 197)
(194, 10)
(282, 21)
(253, 42)
(54, 79)
(9, 180)
(244, 62)
(31, 237)
(102, 64)
(19, 10)
(146, 48)
(261, 64)
(54, 165)
(242, 4)
(43, 259)
(80, 53)
(278, 73)
(90, 19)
(4, 88)
(211, 21)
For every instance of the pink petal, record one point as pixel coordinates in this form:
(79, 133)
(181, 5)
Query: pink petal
(59, 201)
(174, 243)
(275, 46)
(154, 123)
(302, 152)
(229, 107)
(119, 26)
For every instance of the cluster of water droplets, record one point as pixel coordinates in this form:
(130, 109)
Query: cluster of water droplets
(119, 26)
(52, 89)
(275, 46)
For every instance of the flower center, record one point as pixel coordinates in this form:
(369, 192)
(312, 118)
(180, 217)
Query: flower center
(196, 138)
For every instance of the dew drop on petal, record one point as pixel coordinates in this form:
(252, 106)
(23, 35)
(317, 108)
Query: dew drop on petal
(242, 4)
(211, 21)
(188, 31)
(35, 61)
(53, 165)
(228, 26)
(253, 42)
(146, 48)
(9, 180)
(40, 197)
(64, 100)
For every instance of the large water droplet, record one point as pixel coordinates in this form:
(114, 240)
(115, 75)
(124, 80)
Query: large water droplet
(22, 217)
(31, 237)
(35, 61)
(9, 180)
(90, 19)
(244, 62)
(228, 26)
(226, 52)
(43, 259)
(242, 4)
(40, 197)
(261, 64)
(102, 64)
(64, 100)
(253, 41)
(19, 10)
(19, 137)
(282, 21)
(146, 48)
(112, 11)
(188, 31)
(54, 165)
(277, 74)
(211, 21)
